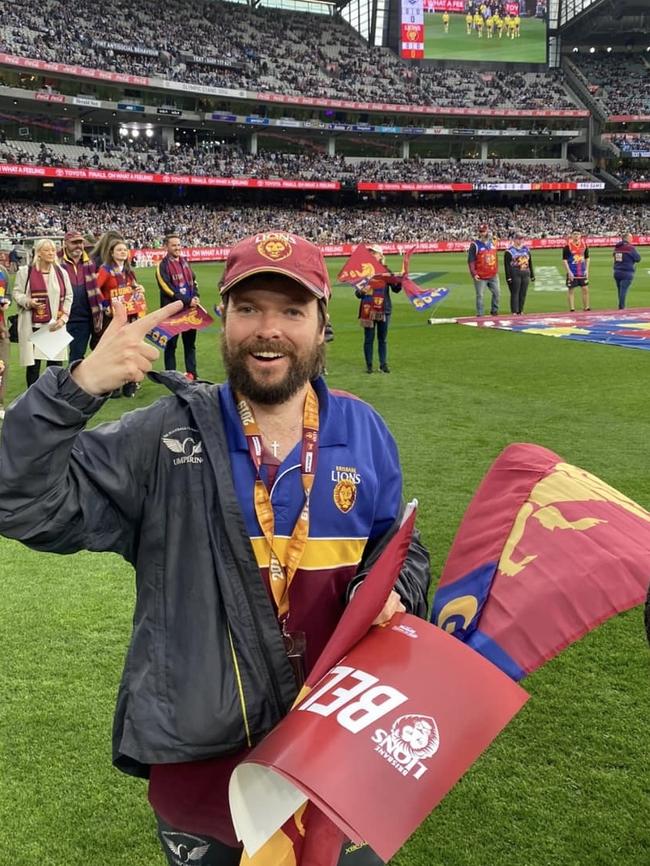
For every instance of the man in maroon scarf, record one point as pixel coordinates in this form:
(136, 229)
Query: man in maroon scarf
(177, 282)
(86, 315)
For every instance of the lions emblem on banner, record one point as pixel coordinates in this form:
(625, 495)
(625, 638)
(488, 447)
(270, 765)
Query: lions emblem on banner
(275, 246)
(416, 736)
(345, 495)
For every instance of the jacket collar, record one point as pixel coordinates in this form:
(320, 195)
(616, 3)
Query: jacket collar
(66, 258)
(333, 424)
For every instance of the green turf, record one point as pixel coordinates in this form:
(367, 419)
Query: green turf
(566, 784)
(530, 47)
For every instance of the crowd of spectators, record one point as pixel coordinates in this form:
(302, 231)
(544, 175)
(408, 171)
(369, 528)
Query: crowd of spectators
(629, 144)
(233, 161)
(234, 45)
(213, 225)
(626, 174)
(450, 171)
(620, 83)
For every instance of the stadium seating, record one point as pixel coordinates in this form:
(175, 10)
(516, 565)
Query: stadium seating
(620, 83)
(257, 49)
(234, 162)
(209, 225)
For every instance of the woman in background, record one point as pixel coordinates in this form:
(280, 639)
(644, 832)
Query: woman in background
(43, 295)
(116, 281)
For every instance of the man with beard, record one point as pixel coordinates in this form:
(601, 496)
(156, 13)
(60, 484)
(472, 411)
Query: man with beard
(250, 510)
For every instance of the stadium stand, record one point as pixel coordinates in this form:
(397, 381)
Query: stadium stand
(259, 49)
(626, 174)
(620, 83)
(232, 161)
(205, 225)
(631, 144)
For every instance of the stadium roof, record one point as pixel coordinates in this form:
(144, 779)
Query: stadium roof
(322, 7)
(614, 18)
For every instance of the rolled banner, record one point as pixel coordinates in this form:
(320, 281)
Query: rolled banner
(379, 741)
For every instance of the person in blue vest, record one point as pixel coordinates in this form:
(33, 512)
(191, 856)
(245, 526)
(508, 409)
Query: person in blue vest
(518, 264)
(483, 264)
(625, 260)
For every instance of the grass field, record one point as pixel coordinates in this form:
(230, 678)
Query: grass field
(530, 47)
(566, 784)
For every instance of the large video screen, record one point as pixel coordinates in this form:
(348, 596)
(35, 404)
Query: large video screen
(503, 30)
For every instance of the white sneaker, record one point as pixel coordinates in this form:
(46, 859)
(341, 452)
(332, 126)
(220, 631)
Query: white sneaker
(2, 414)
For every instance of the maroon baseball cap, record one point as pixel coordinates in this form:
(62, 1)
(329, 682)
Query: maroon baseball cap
(484, 227)
(73, 236)
(278, 252)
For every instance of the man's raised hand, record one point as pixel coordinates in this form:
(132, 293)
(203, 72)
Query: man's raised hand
(122, 355)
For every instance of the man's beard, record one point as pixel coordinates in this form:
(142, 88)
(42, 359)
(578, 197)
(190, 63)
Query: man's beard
(301, 370)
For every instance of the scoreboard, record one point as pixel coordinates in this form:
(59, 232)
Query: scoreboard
(412, 30)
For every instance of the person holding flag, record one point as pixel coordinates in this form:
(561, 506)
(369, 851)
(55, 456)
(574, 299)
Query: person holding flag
(116, 280)
(575, 257)
(483, 266)
(374, 313)
(177, 282)
(237, 592)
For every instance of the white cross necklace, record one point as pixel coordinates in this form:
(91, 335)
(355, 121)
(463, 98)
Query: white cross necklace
(274, 448)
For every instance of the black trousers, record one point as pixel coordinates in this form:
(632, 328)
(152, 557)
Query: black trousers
(189, 351)
(518, 286)
(200, 850)
(34, 370)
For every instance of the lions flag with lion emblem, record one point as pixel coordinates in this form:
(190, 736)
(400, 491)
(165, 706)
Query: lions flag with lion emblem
(545, 553)
(363, 267)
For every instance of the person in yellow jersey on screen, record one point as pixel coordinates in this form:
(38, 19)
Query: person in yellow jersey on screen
(469, 22)
(445, 22)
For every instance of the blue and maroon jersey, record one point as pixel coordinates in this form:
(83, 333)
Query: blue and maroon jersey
(358, 488)
(482, 259)
(576, 255)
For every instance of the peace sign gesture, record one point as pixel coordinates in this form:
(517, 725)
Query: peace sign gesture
(122, 355)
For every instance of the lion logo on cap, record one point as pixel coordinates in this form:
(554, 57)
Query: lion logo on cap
(275, 246)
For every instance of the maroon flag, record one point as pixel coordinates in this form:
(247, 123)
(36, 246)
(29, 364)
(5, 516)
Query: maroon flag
(361, 267)
(309, 837)
(380, 740)
(545, 553)
(368, 600)
(189, 318)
